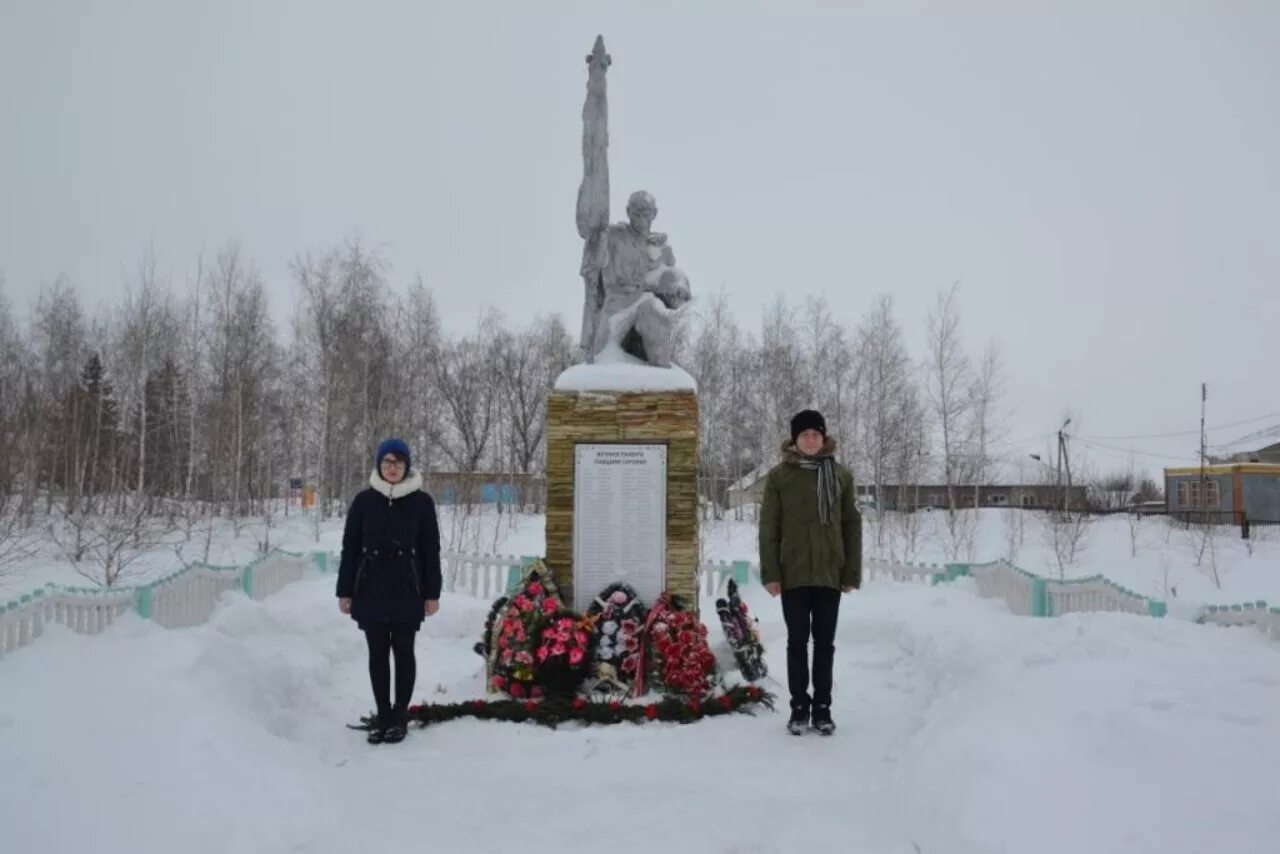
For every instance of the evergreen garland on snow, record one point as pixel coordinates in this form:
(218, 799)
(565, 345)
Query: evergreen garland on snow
(552, 711)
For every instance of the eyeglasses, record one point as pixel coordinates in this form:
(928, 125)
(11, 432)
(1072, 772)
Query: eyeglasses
(387, 462)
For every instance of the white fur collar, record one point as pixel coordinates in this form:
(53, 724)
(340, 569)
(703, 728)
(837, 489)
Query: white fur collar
(411, 483)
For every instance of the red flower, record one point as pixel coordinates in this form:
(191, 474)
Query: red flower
(477, 704)
(753, 692)
(615, 705)
(579, 704)
(695, 706)
(726, 701)
(651, 711)
(530, 706)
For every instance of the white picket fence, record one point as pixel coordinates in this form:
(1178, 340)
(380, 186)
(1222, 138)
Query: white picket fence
(184, 598)
(1028, 594)
(1093, 594)
(188, 597)
(1025, 593)
(1256, 614)
(1001, 580)
(482, 576)
(87, 612)
(909, 573)
(1031, 595)
(490, 576)
(713, 577)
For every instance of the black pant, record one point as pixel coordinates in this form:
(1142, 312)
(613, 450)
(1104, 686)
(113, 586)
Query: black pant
(810, 611)
(384, 641)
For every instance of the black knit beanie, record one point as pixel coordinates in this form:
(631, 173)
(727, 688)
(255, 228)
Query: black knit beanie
(809, 419)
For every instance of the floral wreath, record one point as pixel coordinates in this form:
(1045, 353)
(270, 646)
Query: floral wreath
(742, 632)
(619, 617)
(516, 633)
(679, 659)
(485, 645)
(564, 652)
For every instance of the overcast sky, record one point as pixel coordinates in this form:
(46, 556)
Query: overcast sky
(1102, 178)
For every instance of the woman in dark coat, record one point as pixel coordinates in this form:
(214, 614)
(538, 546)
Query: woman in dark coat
(389, 578)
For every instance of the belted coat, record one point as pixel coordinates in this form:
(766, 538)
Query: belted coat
(390, 563)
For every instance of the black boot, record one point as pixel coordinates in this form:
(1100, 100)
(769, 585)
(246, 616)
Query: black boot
(799, 721)
(822, 719)
(398, 726)
(378, 728)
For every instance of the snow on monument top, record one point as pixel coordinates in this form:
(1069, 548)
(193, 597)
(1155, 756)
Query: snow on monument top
(615, 370)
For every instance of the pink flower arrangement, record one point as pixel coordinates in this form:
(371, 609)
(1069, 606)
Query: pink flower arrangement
(563, 651)
(518, 625)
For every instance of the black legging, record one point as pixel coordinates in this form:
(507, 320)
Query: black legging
(382, 643)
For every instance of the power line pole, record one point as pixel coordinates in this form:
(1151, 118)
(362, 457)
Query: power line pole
(1064, 457)
(1203, 438)
(1204, 475)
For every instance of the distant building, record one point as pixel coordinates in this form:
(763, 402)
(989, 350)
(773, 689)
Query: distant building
(451, 487)
(1269, 454)
(1229, 490)
(747, 490)
(1032, 496)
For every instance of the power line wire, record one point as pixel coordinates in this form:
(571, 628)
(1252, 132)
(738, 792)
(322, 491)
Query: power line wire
(1135, 451)
(1266, 433)
(1194, 432)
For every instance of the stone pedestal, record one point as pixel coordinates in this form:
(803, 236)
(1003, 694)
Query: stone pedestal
(667, 418)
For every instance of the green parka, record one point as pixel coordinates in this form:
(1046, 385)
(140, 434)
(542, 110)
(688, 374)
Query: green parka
(795, 548)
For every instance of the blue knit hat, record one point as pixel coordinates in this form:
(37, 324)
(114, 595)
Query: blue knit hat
(393, 446)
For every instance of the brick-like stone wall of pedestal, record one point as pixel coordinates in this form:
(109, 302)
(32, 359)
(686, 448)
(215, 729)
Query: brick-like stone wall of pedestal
(670, 418)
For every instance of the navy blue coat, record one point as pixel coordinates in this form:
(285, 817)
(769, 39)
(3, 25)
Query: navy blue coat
(390, 558)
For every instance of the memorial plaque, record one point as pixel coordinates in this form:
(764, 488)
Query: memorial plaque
(619, 519)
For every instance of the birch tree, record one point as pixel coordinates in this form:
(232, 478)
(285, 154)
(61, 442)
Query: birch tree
(949, 379)
(886, 384)
(987, 417)
(144, 324)
(468, 387)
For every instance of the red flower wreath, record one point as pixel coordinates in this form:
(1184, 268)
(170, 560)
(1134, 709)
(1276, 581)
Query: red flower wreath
(681, 661)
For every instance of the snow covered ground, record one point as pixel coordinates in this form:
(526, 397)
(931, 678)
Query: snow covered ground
(963, 729)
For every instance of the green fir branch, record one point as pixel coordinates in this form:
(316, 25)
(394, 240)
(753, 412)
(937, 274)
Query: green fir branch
(552, 711)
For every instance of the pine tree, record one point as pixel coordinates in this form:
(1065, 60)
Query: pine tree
(96, 439)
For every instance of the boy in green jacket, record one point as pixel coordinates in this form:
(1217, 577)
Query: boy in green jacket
(810, 552)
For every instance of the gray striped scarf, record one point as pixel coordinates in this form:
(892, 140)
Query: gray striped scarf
(828, 483)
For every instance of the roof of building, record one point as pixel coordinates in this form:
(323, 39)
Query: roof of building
(749, 479)
(1223, 468)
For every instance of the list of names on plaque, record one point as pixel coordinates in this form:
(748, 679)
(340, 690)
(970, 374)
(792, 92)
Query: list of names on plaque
(619, 520)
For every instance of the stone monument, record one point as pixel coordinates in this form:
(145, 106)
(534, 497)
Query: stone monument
(634, 290)
(622, 426)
